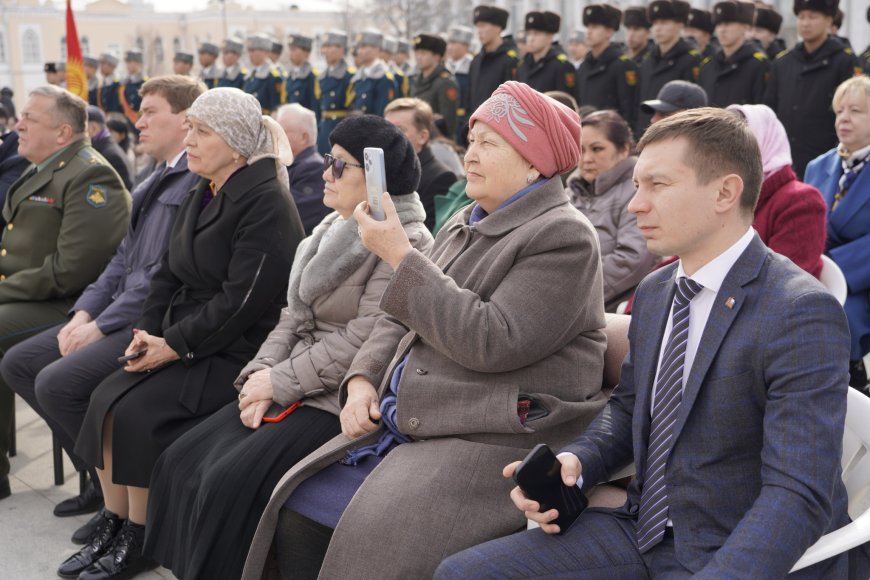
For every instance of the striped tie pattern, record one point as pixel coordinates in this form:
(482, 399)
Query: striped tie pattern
(669, 392)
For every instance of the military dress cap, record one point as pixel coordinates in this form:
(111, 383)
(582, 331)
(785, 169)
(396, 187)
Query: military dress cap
(635, 17)
(259, 42)
(277, 47)
(603, 14)
(577, 37)
(233, 45)
(430, 42)
(49, 67)
(675, 10)
(460, 34)
(768, 18)
(184, 57)
(209, 48)
(109, 59)
(827, 7)
(403, 47)
(133, 55)
(90, 61)
(701, 19)
(676, 96)
(734, 11)
(334, 38)
(543, 21)
(492, 15)
(389, 44)
(838, 18)
(301, 41)
(368, 38)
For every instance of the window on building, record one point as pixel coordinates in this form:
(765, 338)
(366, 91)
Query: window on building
(86, 45)
(2, 47)
(176, 45)
(158, 49)
(140, 43)
(63, 48)
(30, 53)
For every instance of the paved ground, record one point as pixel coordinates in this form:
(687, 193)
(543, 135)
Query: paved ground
(32, 541)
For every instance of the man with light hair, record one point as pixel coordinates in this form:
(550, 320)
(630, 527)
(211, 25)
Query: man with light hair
(306, 172)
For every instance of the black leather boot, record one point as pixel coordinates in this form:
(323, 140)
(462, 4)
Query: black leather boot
(84, 533)
(124, 559)
(97, 546)
(90, 500)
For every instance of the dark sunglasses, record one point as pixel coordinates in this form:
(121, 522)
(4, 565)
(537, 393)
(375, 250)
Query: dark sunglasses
(337, 165)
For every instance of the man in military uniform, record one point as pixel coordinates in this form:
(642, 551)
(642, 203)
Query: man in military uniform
(182, 63)
(545, 68)
(803, 79)
(737, 73)
(336, 93)
(264, 81)
(767, 24)
(699, 30)
(55, 73)
(434, 83)
(577, 48)
(275, 57)
(210, 73)
(108, 95)
(302, 86)
(402, 62)
(234, 73)
(637, 39)
(497, 60)
(91, 64)
(389, 47)
(459, 64)
(65, 217)
(673, 58)
(373, 85)
(607, 79)
(128, 91)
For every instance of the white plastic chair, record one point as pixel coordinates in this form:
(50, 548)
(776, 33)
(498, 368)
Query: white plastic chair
(833, 279)
(856, 476)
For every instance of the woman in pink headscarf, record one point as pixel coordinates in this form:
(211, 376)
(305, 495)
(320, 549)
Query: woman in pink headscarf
(790, 215)
(492, 343)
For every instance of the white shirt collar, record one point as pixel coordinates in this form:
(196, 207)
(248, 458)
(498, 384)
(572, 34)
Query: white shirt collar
(712, 274)
(171, 164)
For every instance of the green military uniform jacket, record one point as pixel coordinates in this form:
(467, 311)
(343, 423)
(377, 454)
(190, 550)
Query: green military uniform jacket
(63, 224)
(440, 90)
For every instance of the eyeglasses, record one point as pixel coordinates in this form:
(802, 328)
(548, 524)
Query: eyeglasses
(337, 165)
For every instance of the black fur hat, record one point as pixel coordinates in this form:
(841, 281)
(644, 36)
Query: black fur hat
(734, 11)
(701, 19)
(635, 17)
(768, 18)
(491, 14)
(828, 7)
(676, 10)
(603, 14)
(543, 21)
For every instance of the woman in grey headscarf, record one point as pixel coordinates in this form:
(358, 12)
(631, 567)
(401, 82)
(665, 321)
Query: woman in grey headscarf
(219, 291)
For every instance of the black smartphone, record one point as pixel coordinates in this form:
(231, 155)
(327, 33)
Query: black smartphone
(540, 478)
(131, 356)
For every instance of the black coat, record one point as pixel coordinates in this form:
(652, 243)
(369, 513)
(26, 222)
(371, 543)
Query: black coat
(488, 71)
(306, 185)
(109, 148)
(681, 62)
(217, 295)
(776, 46)
(609, 82)
(552, 73)
(435, 179)
(800, 91)
(12, 165)
(739, 80)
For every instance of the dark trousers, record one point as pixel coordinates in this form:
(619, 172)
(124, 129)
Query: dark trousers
(59, 388)
(19, 321)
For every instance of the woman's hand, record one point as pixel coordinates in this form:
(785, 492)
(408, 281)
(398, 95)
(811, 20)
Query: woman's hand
(257, 388)
(252, 414)
(360, 413)
(387, 239)
(157, 352)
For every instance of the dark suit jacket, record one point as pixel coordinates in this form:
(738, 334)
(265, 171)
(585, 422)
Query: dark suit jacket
(12, 165)
(306, 185)
(109, 148)
(435, 179)
(754, 473)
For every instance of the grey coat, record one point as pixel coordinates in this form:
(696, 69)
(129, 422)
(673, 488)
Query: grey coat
(625, 258)
(493, 313)
(333, 300)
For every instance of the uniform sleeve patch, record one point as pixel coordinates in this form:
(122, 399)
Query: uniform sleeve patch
(631, 78)
(570, 79)
(451, 94)
(96, 196)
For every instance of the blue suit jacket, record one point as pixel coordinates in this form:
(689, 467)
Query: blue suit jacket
(306, 186)
(848, 240)
(754, 472)
(12, 165)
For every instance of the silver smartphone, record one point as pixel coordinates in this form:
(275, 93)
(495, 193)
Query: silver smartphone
(376, 180)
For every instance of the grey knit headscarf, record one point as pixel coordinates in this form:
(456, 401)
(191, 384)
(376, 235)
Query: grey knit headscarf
(238, 118)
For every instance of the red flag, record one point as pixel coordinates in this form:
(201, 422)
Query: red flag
(76, 80)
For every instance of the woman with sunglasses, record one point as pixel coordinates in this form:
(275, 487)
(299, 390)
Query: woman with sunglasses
(210, 487)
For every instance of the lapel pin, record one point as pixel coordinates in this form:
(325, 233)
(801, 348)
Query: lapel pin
(729, 302)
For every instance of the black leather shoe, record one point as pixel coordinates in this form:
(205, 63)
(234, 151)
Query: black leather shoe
(84, 533)
(97, 546)
(125, 559)
(4, 488)
(90, 500)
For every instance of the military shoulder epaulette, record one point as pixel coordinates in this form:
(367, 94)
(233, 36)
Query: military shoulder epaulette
(511, 53)
(561, 57)
(782, 53)
(89, 154)
(389, 75)
(275, 72)
(705, 60)
(314, 71)
(445, 75)
(694, 52)
(848, 50)
(243, 71)
(351, 69)
(623, 57)
(760, 56)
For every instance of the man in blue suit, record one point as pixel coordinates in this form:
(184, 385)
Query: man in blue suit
(306, 171)
(731, 402)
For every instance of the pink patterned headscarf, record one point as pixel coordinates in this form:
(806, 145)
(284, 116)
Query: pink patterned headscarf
(770, 134)
(545, 132)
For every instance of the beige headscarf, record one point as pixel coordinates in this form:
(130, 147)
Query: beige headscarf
(238, 118)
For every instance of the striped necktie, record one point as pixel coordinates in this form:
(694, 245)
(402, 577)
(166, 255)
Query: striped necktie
(669, 392)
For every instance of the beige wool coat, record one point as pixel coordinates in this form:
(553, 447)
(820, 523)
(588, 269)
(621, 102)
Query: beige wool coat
(512, 306)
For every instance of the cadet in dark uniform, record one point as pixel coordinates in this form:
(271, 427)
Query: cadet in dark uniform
(699, 29)
(737, 73)
(264, 81)
(545, 67)
(275, 58)
(234, 73)
(389, 47)
(402, 63)
(210, 73)
(182, 63)
(459, 64)
(767, 24)
(803, 80)
(91, 64)
(128, 90)
(302, 86)
(373, 84)
(335, 89)
(672, 59)
(497, 60)
(637, 39)
(434, 83)
(108, 100)
(55, 73)
(607, 78)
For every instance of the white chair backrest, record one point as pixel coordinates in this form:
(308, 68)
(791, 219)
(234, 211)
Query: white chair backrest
(833, 279)
(856, 452)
